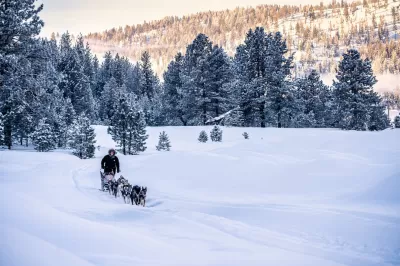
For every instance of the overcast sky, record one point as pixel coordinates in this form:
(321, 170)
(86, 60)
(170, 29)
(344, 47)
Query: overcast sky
(97, 15)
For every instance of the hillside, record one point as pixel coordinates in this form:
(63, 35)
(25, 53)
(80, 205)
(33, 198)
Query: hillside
(318, 34)
(283, 197)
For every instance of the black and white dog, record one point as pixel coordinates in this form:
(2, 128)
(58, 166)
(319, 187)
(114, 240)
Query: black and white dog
(121, 182)
(126, 191)
(138, 195)
(113, 187)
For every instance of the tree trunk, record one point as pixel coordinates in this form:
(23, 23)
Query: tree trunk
(124, 146)
(217, 108)
(8, 135)
(183, 121)
(262, 115)
(279, 120)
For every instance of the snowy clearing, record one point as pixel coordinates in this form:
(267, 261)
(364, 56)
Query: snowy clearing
(283, 197)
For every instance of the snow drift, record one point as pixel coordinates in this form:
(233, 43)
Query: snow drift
(283, 197)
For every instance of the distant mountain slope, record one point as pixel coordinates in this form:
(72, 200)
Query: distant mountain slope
(318, 34)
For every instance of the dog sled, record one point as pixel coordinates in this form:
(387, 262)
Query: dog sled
(136, 195)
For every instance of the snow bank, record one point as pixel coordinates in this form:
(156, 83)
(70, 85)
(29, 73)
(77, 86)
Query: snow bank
(283, 197)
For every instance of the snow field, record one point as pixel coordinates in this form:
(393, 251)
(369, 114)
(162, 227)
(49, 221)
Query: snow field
(283, 197)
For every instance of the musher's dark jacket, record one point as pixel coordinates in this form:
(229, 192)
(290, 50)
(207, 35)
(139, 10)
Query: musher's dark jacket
(110, 164)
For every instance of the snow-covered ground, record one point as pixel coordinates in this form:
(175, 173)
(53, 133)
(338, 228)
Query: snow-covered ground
(283, 197)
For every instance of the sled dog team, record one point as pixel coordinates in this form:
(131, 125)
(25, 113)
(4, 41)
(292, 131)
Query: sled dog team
(121, 187)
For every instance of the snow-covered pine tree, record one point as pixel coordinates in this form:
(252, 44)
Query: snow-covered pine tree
(279, 92)
(20, 25)
(128, 128)
(148, 77)
(104, 74)
(246, 135)
(234, 118)
(303, 120)
(109, 97)
(194, 72)
(173, 92)
(311, 102)
(263, 92)
(140, 134)
(75, 84)
(358, 106)
(133, 79)
(136, 131)
(203, 137)
(118, 71)
(82, 138)
(217, 76)
(216, 134)
(119, 124)
(157, 108)
(43, 137)
(163, 142)
(69, 113)
(378, 120)
(397, 121)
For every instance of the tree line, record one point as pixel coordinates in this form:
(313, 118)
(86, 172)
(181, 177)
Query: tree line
(62, 88)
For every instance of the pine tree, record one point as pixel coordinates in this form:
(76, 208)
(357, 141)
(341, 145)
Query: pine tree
(140, 134)
(136, 132)
(311, 102)
(43, 137)
(148, 77)
(128, 128)
(195, 71)
(108, 100)
(163, 142)
(83, 138)
(234, 118)
(262, 69)
(173, 96)
(359, 107)
(279, 95)
(250, 70)
(246, 135)
(397, 122)
(69, 113)
(104, 74)
(377, 118)
(217, 76)
(203, 137)
(20, 23)
(75, 84)
(119, 125)
(304, 120)
(216, 134)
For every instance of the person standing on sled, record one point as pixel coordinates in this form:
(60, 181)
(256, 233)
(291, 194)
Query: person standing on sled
(110, 164)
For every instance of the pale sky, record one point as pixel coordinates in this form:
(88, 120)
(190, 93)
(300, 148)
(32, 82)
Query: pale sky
(97, 15)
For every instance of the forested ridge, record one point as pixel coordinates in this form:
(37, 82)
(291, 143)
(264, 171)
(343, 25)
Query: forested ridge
(319, 34)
